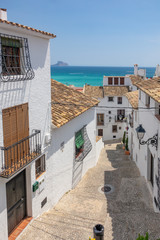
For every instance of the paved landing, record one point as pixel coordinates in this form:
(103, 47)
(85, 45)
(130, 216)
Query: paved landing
(125, 212)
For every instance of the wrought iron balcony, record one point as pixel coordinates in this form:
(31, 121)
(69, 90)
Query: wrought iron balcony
(20, 154)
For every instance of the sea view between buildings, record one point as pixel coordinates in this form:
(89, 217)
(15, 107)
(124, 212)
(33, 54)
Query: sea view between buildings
(80, 75)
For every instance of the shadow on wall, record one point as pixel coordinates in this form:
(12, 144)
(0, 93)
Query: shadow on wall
(129, 205)
(13, 93)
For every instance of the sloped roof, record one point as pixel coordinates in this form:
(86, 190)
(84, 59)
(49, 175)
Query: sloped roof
(135, 79)
(133, 98)
(28, 28)
(68, 103)
(100, 92)
(150, 87)
(115, 90)
(93, 91)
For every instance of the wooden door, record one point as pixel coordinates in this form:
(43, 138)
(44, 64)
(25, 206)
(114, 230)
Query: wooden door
(15, 128)
(16, 200)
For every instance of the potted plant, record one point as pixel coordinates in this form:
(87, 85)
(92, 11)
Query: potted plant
(126, 147)
(123, 139)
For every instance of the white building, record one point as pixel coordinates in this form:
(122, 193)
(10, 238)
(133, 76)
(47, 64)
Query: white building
(73, 147)
(111, 110)
(25, 114)
(147, 156)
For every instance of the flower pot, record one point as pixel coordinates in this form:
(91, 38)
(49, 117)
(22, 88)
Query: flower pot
(127, 152)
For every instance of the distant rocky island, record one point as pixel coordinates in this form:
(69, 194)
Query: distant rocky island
(60, 63)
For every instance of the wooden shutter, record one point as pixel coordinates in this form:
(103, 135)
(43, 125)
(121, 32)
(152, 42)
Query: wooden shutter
(116, 81)
(15, 128)
(121, 81)
(110, 81)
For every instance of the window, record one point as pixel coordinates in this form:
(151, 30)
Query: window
(40, 166)
(100, 132)
(15, 59)
(116, 81)
(110, 81)
(120, 112)
(11, 56)
(110, 99)
(122, 81)
(120, 128)
(109, 112)
(140, 94)
(119, 100)
(100, 119)
(79, 143)
(82, 144)
(114, 128)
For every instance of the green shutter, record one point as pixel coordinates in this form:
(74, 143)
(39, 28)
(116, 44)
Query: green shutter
(79, 139)
(11, 42)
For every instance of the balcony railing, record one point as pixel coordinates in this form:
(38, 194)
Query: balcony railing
(21, 153)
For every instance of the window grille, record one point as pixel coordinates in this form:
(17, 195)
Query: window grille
(15, 64)
(86, 147)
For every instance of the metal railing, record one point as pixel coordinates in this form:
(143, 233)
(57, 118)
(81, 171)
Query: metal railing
(19, 154)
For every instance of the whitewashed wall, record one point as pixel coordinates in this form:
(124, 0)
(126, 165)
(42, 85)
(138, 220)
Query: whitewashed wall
(141, 153)
(59, 173)
(99, 147)
(105, 107)
(127, 81)
(37, 93)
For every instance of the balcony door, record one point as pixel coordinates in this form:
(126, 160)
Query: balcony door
(15, 128)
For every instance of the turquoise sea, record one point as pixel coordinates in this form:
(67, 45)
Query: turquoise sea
(78, 76)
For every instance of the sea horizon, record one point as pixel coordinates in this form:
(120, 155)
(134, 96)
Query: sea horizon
(92, 75)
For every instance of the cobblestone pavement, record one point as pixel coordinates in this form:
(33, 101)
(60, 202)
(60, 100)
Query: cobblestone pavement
(125, 212)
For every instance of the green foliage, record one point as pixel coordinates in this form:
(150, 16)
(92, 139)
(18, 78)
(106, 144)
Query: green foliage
(124, 137)
(143, 237)
(146, 237)
(126, 145)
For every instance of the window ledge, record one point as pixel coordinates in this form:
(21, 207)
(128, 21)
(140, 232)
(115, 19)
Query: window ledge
(40, 175)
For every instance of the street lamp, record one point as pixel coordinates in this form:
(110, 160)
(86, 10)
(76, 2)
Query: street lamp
(140, 134)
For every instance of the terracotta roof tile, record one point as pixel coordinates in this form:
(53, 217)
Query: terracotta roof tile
(28, 28)
(115, 90)
(93, 91)
(68, 103)
(135, 79)
(133, 98)
(99, 92)
(150, 87)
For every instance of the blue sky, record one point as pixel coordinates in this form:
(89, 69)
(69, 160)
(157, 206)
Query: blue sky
(95, 32)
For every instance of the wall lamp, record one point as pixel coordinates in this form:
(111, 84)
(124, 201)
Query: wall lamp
(140, 134)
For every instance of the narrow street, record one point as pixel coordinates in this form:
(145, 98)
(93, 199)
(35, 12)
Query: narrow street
(125, 211)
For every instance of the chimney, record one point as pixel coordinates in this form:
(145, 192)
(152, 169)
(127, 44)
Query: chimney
(136, 69)
(3, 14)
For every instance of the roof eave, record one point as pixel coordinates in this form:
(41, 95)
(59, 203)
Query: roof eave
(25, 29)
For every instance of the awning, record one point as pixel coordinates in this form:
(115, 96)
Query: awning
(79, 139)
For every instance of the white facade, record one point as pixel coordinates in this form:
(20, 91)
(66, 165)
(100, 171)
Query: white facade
(146, 156)
(110, 110)
(127, 81)
(63, 172)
